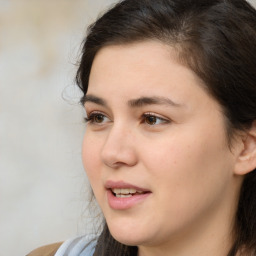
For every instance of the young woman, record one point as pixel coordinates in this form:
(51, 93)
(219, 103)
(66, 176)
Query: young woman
(170, 146)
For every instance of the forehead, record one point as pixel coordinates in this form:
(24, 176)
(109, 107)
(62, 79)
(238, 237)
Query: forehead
(136, 53)
(146, 64)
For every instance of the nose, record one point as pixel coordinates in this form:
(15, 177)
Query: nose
(119, 148)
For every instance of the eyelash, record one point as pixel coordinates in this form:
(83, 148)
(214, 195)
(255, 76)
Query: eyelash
(147, 115)
(91, 118)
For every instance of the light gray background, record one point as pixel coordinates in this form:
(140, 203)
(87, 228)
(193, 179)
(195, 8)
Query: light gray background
(42, 182)
(43, 188)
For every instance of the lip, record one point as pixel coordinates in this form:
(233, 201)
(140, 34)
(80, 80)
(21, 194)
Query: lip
(121, 184)
(124, 203)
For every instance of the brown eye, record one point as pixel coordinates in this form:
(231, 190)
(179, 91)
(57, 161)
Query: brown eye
(98, 118)
(151, 120)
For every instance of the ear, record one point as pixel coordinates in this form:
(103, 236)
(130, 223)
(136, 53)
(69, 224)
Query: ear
(246, 161)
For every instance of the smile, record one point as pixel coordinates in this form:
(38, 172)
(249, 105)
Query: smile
(126, 192)
(123, 196)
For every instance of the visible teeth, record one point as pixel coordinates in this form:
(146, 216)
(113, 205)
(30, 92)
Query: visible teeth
(129, 195)
(125, 191)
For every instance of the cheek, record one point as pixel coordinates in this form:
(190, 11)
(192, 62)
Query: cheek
(191, 149)
(190, 167)
(91, 157)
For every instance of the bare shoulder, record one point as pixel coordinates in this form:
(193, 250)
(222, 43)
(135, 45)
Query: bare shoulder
(47, 250)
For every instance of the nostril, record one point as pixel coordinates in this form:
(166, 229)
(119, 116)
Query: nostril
(120, 159)
(118, 150)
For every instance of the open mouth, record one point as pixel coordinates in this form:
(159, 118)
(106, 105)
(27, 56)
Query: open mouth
(123, 196)
(126, 192)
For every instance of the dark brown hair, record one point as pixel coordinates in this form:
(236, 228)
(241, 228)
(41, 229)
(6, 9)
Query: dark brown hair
(214, 38)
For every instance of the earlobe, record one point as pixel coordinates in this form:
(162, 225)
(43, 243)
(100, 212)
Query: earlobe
(246, 161)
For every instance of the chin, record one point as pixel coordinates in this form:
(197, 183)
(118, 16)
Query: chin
(124, 239)
(128, 236)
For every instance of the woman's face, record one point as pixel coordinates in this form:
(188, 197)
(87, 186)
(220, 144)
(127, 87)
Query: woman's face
(155, 148)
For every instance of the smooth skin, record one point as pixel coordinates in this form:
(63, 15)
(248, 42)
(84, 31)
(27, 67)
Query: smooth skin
(174, 144)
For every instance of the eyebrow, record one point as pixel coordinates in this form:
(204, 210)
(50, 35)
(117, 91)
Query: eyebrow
(143, 101)
(135, 103)
(94, 99)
